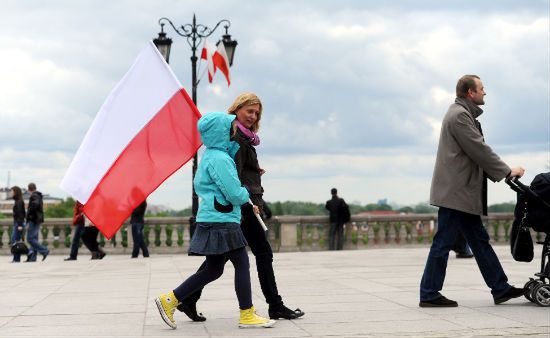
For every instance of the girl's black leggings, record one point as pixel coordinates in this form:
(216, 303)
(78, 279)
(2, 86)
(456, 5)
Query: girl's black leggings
(214, 269)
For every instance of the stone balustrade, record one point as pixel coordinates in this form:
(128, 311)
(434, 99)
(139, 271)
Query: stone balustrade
(286, 233)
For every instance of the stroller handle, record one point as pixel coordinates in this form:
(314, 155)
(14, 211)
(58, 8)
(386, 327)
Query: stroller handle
(521, 188)
(516, 185)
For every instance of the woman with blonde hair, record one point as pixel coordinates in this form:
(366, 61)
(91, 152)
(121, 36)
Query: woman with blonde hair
(247, 108)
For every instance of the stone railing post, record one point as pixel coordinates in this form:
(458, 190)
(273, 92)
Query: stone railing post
(289, 233)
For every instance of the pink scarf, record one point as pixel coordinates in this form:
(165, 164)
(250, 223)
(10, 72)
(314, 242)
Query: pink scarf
(251, 136)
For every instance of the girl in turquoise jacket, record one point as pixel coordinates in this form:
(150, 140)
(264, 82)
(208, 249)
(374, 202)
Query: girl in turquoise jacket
(218, 235)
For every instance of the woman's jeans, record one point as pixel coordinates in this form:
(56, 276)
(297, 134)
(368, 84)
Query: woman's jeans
(16, 236)
(139, 241)
(32, 238)
(450, 223)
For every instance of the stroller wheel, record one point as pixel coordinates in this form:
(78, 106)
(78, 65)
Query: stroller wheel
(541, 294)
(529, 286)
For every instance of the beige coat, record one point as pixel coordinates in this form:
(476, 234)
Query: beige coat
(462, 157)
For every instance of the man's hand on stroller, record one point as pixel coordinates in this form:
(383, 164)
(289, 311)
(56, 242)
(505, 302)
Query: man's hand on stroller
(517, 172)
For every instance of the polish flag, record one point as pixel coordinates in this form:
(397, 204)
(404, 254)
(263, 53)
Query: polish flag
(144, 132)
(221, 62)
(207, 51)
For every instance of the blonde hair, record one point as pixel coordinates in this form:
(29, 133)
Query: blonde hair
(247, 99)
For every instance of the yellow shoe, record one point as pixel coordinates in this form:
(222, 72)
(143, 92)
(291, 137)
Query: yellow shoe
(249, 318)
(167, 303)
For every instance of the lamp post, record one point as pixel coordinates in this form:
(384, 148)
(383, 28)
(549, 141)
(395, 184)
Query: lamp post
(194, 33)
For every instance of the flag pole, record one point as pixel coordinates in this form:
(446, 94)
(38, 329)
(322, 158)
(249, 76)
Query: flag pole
(258, 217)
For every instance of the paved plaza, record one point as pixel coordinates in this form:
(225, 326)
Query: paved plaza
(367, 293)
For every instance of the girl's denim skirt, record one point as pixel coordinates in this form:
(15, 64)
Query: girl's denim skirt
(216, 239)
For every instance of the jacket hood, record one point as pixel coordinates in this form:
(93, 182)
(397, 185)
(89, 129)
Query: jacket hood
(214, 129)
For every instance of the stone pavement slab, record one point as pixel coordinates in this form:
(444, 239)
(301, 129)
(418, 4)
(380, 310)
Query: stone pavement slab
(367, 293)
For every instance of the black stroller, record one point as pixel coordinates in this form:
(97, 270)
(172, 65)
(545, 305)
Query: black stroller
(533, 211)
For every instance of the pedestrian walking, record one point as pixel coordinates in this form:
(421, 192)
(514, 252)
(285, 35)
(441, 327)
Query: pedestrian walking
(89, 238)
(459, 188)
(137, 220)
(218, 234)
(247, 108)
(35, 217)
(18, 220)
(339, 214)
(78, 223)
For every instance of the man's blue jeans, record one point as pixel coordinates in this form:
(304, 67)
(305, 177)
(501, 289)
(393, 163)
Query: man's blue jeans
(78, 230)
(32, 238)
(450, 222)
(139, 241)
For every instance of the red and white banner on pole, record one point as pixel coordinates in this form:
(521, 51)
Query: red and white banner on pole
(144, 132)
(216, 58)
(206, 54)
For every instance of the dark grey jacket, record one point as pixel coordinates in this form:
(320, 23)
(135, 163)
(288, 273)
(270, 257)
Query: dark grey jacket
(138, 215)
(35, 211)
(462, 159)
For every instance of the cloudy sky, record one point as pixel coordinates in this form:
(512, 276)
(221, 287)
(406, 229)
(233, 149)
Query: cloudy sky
(353, 91)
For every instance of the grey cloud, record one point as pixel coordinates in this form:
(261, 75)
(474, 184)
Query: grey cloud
(345, 77)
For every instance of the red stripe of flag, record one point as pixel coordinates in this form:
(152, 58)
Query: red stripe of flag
(145, 164)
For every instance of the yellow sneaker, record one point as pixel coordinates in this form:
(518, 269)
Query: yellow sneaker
(167, 303)
(249, 318)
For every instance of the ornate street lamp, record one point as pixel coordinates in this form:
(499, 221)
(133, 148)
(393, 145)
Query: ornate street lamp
(194, 33)
(230, 45)
(163, 44)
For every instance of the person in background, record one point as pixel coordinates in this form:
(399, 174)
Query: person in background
(89, 238)
(35, 217)
(78, 222)
(338, 216)
(18, 219)
(138, 222)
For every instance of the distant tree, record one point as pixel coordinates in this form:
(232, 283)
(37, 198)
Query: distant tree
(61, 210)
(182, 213)
(158, 214)
(276, 208)
(378, 207)
(424, 208)
(356, 208)
(502, 207)
(406, 210)
(302, 208)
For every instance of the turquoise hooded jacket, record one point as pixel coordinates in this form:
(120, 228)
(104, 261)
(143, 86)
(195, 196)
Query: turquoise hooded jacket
(216, 181)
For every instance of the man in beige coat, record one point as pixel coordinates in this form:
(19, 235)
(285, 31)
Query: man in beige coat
(459, 188)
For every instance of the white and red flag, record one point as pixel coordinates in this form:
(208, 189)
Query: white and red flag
(221, 62)
(207, 52)
(216, 58)
(144, 132)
